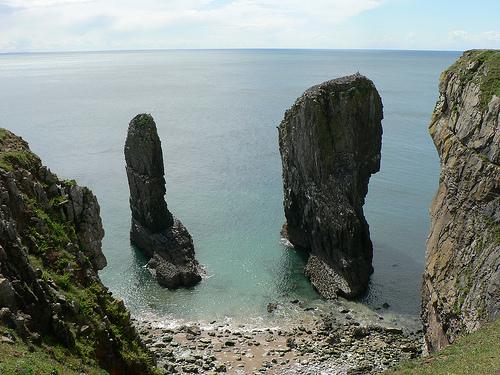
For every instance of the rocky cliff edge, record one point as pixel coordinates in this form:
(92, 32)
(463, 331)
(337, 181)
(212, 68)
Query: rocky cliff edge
(460, 290)
(51, 298)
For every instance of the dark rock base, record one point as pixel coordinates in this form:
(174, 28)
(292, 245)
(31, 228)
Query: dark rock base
(171, 252)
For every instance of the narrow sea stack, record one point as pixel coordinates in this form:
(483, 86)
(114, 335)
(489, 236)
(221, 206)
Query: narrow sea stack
(55, 314)
(460, 290)
(330, 143)
(154, 229)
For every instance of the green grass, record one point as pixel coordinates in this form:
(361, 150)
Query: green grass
(489, 83)
(54, 248)
(69, 182)
(477, 353)
(59, 200)
(21, 359)
(3, 133)
(49, 252)
(14, 152)
(8, 159)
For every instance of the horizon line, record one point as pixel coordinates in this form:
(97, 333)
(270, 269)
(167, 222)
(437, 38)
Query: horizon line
(228, 49)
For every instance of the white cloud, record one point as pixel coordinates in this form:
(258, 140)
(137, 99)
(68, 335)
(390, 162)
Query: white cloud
(492, 35)
(39, 3)
(458, 35)
(474, 39)
(110, 24)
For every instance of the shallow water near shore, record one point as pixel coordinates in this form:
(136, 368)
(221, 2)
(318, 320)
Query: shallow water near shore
(340, 337)
(217, 113)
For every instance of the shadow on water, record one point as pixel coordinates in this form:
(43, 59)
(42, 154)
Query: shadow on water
(290, 271)
(393, 270)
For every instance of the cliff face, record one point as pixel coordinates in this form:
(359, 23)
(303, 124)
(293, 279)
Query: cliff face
(330, 143)
(154, 230)
(460, 290)
(50, 252)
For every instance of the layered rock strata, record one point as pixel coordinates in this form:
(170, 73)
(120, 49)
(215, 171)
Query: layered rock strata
(330, 143)
(154, 230)
(50, 251)
(460, 290)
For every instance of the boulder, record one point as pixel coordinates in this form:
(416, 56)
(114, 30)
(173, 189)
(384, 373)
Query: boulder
(7, 294)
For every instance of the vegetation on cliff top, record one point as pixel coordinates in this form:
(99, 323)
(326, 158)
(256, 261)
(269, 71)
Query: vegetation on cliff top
(53, 249)
(13, 152)
(17, 357)
(476, 353)
(92, 301)
(485, 61)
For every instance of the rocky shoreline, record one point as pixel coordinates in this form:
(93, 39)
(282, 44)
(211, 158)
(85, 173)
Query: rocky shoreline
(340, 340)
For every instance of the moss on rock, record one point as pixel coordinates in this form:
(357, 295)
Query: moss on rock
(45, 237)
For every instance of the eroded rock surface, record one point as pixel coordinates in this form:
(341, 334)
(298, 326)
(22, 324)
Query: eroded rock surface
(330, 143)
(50, 251)
(154, 230)
(460, 288)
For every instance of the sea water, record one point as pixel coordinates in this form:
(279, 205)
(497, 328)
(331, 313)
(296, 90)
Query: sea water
(217, 113)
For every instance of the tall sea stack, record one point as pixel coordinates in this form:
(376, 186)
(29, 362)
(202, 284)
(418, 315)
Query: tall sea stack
(460, 290)
(154, 229)
(330, 143)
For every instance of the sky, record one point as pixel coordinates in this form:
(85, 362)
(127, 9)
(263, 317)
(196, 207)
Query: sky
(89, 25)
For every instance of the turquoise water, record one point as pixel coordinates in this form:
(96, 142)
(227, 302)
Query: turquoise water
(217, 113)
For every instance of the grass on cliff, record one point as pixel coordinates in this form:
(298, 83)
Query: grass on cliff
(95, 324)
(59, 265)
(477, 353)
(10, 158)
(487, 61)
(13, 153)
(19, 358)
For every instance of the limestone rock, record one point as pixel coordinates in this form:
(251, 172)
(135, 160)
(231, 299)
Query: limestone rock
(50, 254)
(460, 288)
(154, 230)
(330, 143)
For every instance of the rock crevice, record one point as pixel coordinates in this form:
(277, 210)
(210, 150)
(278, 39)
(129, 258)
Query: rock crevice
(330, 143)
(460, 290)
(154, 230)
(50, 253)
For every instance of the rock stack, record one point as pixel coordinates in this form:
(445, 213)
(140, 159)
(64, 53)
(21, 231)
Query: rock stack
(154, 229)
(330, 143)
(461, 284)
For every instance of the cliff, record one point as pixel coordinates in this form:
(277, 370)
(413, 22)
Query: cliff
(330, 143)
(52, 302)
(154, 229)
(460, 290)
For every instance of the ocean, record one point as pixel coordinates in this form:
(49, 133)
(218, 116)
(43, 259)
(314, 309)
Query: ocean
(217, 113)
